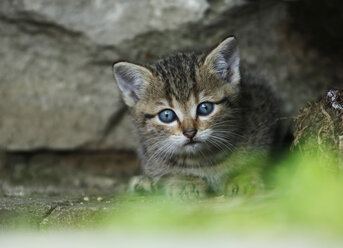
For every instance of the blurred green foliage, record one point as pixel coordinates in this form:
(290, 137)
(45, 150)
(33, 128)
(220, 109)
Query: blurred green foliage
(305, 195)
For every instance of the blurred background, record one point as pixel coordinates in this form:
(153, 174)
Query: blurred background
(61, 114)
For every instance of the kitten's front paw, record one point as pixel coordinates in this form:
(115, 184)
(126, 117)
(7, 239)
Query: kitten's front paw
(140, 184)
(187, 188)
(244, 186)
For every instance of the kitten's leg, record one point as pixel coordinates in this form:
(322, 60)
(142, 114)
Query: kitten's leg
(186, 188)
(245, 183)
(140, 184)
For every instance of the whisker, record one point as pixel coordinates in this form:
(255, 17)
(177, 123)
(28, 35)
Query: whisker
(229, 133)
(224, 142)
(214, 143)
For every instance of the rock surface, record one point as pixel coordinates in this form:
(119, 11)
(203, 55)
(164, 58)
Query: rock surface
(44, 190)
(56, 85)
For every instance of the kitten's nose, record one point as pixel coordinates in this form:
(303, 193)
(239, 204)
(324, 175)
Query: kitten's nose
(190, 133)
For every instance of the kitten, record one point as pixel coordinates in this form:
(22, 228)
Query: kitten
(199, 121)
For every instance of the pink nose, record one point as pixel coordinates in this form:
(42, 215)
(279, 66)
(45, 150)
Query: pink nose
(190, 133)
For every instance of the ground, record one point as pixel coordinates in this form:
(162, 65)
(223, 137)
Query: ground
(301, 207)
(49, 189)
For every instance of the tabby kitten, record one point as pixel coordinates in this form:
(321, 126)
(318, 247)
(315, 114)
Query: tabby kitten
(199, 121)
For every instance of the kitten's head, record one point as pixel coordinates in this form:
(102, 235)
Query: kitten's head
(184, 104)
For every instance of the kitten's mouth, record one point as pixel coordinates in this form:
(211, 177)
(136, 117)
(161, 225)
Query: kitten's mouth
(191, 143)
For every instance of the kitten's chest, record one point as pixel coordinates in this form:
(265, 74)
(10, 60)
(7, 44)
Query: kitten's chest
(210, 167)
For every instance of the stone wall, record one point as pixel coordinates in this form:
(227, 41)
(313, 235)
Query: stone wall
(56, 86)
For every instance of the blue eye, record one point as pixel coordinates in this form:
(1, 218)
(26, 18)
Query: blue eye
(205, 108)
(167, 116)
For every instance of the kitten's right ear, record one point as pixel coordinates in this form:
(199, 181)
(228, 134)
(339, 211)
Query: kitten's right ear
(132, 80)
(224, 61)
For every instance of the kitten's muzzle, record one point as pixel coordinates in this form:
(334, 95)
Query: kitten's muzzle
(190, 133)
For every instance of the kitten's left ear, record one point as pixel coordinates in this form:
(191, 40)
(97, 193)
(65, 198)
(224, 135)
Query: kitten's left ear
(224, 61)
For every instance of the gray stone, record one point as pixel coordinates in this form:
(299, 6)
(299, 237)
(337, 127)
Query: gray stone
(80, 215)
(56, 85)
(26, 212)
(65, 173)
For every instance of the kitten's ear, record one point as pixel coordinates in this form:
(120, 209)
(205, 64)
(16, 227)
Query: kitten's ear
(224, 61)
(132, 80)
